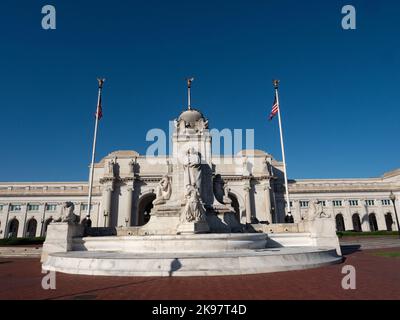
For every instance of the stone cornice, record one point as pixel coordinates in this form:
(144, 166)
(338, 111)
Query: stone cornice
(150, 178)
(129, 178)
(47, 192)
(245, 178)
(260, 178)
(341, 188)
(107, 179)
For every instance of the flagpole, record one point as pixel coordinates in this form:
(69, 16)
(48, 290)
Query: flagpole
(189, 85)
(100, 81)
(289, 214)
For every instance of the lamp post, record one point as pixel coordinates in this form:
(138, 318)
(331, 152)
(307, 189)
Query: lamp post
(126, 222)
(393, 198)
(105, 214)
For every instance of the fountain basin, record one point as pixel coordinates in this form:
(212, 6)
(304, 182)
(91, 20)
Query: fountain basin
(237, 262)
(191, 243)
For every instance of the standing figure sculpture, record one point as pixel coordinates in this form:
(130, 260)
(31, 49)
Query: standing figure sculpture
(163, 191)
(110, 168)
(132, 165)
(192, 167)
(193, 211)
(246, 165)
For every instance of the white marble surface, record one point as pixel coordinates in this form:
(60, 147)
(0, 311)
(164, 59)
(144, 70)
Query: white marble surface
(60, 237)
(173, 243)
(191, 264)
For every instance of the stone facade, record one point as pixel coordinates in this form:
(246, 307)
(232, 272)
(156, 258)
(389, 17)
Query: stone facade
(250, 183)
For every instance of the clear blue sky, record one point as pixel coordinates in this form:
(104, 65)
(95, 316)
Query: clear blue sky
(340, 90)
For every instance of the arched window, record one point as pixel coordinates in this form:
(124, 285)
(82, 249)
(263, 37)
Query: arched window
(31, 228)
(13, 228)
(373, 225)
(356, 222)
(389, 221)
(144, 208)
(340, 222)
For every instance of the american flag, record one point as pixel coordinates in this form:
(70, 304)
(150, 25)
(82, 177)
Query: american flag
(275, 109)
(99, 112)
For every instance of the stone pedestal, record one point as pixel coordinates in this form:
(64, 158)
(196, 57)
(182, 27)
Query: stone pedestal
(59, 237)
(323, 233)
(223, 219)
(164, 219)
(193, 227)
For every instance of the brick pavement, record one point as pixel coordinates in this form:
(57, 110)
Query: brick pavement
(377, 278)
(362, 242)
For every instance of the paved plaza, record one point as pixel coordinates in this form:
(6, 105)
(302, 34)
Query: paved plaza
(377, 277)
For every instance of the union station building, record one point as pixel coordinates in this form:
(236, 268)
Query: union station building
(125, 183)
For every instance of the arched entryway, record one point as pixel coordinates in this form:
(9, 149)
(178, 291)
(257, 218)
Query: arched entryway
(13, 228)
(144, 208)
(340, 222)
(46, 224)
(356, 222)
(373, 224)
(31, 228)
(389, 221)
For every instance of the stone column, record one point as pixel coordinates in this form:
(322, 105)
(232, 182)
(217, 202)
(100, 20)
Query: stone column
(380, 216)
(331, 208)
(248, 204)
(127, 219)
(347, 216)
(107, 205)
(364, 217)
(275, 205)
(395, 227)
(128, 213)
(96, 210)
(22, 230)
(297, 210)
(42, 211)
(6, 208)
(267, 198)
(78, 210)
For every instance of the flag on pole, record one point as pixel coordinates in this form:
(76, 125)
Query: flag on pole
(99, 112)
(275, 109)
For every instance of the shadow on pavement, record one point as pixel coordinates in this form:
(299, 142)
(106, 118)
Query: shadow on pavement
(349, 249)
(89, 294)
